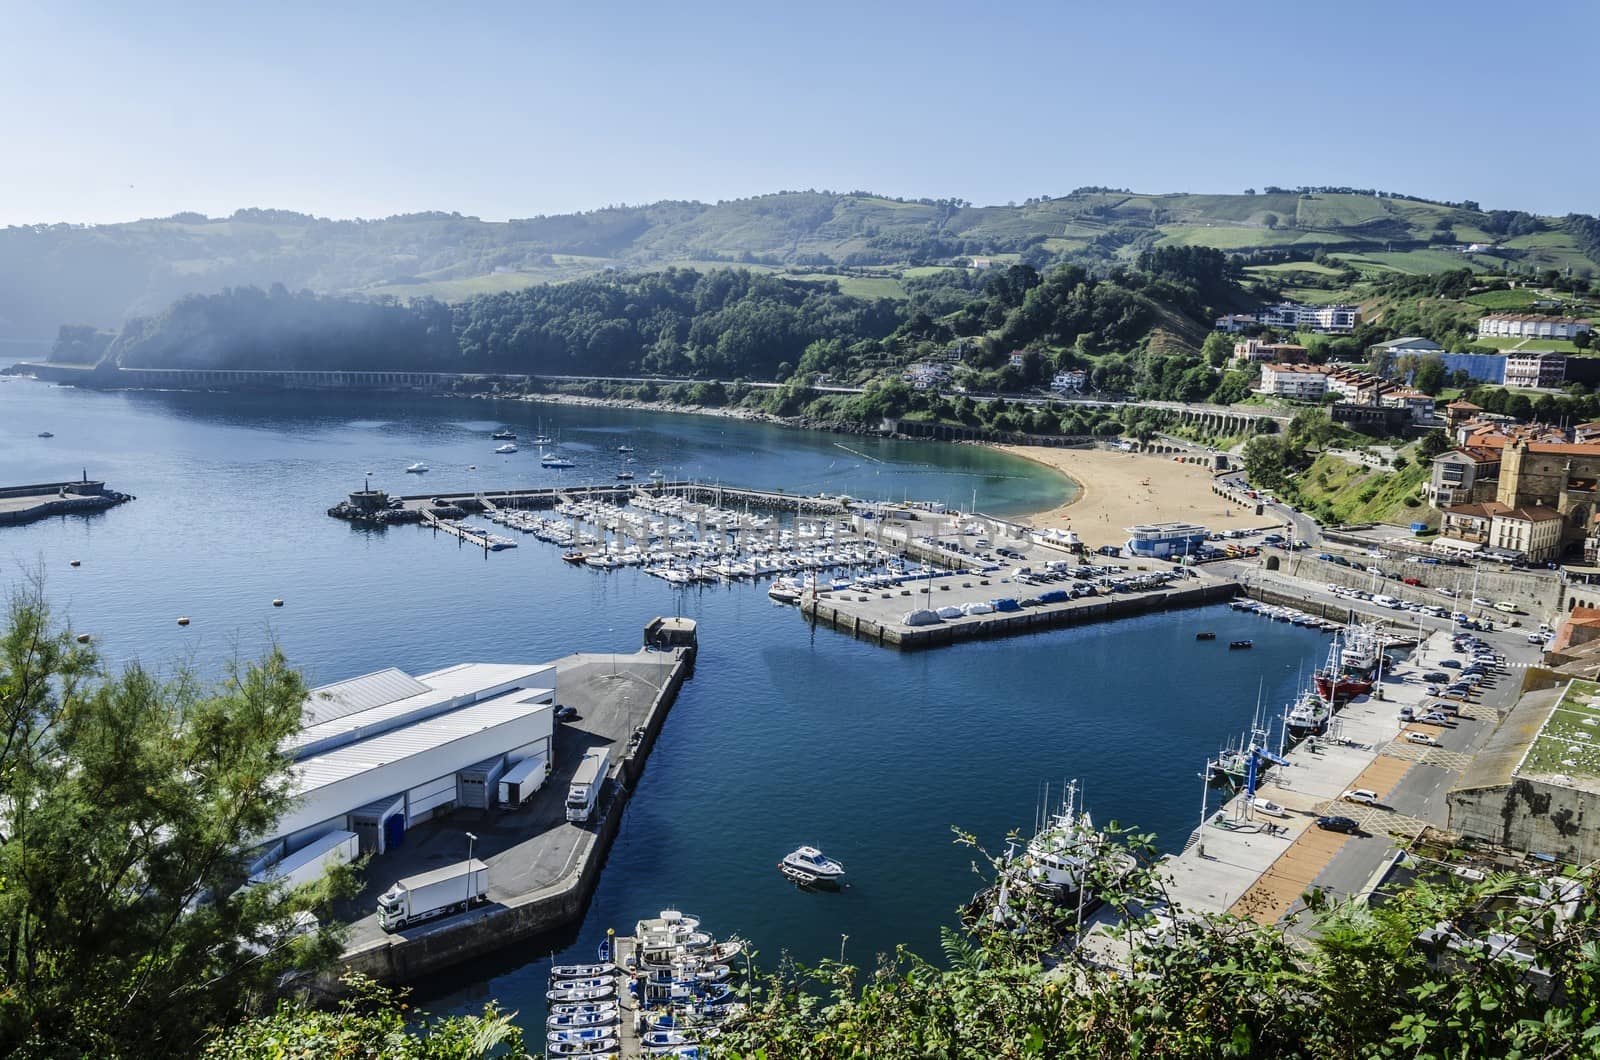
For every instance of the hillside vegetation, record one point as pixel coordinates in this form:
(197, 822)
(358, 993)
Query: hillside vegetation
(101, 274)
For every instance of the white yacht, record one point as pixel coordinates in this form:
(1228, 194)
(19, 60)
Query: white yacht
(813, 863)
(554, 459)
(507, 448)
(416, 469)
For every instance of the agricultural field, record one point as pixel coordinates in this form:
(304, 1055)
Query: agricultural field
(1506, 301)
(856, 286)
(1413, 262)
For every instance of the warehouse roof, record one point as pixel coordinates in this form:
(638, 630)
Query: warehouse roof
(366, 706)
(397, 745)
(359, 693)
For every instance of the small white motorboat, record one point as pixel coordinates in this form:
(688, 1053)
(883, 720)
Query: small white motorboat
(595, 1047)
(552, 459)
(582, 971)
(815, 863)
(567, 993)
(578, 1020)
(507, 448)
(506, 435)
(416, 469)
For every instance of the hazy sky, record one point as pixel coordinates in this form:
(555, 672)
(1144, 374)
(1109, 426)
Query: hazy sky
(115, 111)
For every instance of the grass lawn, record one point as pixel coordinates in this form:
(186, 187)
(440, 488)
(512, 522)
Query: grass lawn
(856, 286)
(1501, 301)
(1413, 262)
(1507, 343)
(1293, 266)
(1570, 741)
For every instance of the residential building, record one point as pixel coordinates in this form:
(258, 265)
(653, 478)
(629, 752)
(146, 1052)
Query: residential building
(1340, 319)
(1458, 411)
(1254, 351)
(1072, 379)
(982, 263)
(1300, 382)
(1534, 533)
(926, 376)
(1463, 476)
(1415, 402)
(1528, 326)
(1293, 316)
(1359, 385)
(1014, 358)
(1586, 432)
(1536, 368)
(1409, 344)
(1472, 523)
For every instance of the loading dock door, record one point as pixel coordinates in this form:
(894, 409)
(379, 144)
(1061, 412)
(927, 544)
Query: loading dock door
(394, 830)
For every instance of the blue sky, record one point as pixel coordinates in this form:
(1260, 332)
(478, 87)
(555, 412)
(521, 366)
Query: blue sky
(115, 111)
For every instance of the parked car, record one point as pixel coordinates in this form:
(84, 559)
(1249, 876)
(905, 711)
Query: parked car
(1435, 717)
(1536, 638)
(1335, 823)
(565, 713)
(1365, 796)
(1422, 738)
(1478, 601)
(1442, 591)
(1412, 581)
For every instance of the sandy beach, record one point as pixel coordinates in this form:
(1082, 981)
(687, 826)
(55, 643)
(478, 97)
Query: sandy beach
(1119, 490)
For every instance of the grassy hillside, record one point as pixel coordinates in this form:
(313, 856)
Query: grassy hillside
(101, 274)
(1339, 491)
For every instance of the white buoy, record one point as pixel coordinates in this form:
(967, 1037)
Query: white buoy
(83, 638)
(276, 602)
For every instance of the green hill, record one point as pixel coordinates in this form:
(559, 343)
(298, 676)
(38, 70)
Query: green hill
(101, 274)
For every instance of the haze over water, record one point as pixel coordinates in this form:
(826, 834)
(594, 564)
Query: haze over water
(784, 736)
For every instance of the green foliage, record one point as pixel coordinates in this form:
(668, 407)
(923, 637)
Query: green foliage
(369, 1023)
(1359, 983)
(129, 802)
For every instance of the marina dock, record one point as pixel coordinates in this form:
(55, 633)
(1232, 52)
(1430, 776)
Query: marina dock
(1247, 863)
(880, 616)
(542, 868)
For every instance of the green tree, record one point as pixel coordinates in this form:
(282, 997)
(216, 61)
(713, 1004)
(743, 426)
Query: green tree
(1434, 443)
(1265, 458)
(1217, 350)
(369, 1023)
(1430, 373)
(130, 801)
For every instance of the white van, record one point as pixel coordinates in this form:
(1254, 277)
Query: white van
(1385, 601)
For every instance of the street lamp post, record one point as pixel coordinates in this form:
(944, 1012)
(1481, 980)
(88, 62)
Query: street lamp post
(471, 839)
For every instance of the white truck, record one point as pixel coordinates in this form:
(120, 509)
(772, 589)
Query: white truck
(310, 862)
(451, 889)
(518, 783)
(587, 781)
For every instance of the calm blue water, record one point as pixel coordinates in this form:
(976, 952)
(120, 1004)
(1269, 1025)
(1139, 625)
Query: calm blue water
(785, 735)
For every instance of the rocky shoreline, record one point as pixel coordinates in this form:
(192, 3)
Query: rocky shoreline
(803, 423)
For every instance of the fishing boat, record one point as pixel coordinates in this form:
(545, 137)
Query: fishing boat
(506, 435)
(596, 1047)
(1063, 847)
(669, 1039)
(585, 1008)
(578, 1034)
(1205, 636)
(1240, 645)
(582, 971)
(507, 448)
(568, 993)
(46, 434)
(785, 591)
(581, 1020)
(624, 448)
(815, 863)
(416, 469)
(624, 475)
(1309, 717)
(1352, 664)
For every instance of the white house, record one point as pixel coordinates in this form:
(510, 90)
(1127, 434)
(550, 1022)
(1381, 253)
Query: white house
(1527, 326)
(1074, 379)
(1536, 368)
(1301, 382)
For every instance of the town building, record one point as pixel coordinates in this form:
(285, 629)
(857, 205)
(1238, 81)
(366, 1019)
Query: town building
(1015, 358)
(1165, 540)
(1299, 382)
(1459, 411)
(1536, 369)
(1463, 476)
(1234, 323)
(1533, 534)
(1528, 326)
(1254, 351)
(1480, 367)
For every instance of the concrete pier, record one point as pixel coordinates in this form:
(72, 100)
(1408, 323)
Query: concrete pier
(542, 869)
(24, 504)
(878, 616)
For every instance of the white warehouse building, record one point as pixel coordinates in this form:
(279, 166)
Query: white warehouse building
(381, 753)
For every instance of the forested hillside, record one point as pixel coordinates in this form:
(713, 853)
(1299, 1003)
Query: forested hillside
(54, 274)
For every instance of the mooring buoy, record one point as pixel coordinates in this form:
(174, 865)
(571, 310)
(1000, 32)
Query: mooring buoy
(183, 620)
(277, 602)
